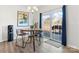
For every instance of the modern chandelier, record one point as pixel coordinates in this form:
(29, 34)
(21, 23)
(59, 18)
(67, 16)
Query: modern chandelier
(32, 9)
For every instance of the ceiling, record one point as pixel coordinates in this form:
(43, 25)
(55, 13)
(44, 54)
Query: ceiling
(44, 8)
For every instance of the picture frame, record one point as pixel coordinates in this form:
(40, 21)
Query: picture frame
(22, 19)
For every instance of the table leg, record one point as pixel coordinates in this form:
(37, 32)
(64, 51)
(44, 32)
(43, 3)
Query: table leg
(33, 42)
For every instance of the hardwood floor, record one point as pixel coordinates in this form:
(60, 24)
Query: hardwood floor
(10, 47)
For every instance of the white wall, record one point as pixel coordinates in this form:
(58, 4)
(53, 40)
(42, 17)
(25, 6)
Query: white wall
(73, 26)
(8, 16)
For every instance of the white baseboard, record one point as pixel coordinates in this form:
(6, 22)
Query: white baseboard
(2, 40)
(74, 47)
(5, 40)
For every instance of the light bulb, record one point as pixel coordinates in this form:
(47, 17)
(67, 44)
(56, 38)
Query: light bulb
(35, 8)
(29, 8)
(32, 10)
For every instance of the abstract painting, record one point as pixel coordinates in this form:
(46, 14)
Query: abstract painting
(23, 18)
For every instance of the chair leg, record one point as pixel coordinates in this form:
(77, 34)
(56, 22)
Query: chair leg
(36, 38)
(26, 42)
(16, 40)
(23, 42)
(29, 39)
(39, 41)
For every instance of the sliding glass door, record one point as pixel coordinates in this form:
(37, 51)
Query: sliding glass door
(52, 25)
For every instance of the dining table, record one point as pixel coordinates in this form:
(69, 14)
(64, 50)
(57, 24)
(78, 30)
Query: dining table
(33, 33)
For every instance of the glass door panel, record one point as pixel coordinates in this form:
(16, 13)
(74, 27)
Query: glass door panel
(46, 25)
(56, 25)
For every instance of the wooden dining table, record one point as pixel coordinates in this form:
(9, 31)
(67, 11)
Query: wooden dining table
(33, 32)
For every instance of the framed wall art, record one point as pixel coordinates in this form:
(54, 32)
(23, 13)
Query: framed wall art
(22, 18)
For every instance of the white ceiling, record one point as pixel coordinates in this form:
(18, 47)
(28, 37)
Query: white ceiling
(44, 8)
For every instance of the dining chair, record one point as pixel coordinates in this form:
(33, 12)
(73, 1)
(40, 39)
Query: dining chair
(30, 38)
(26, 38)
(38, 37)
(20, 38)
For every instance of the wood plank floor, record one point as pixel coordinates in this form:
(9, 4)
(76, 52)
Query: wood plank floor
(10, 47)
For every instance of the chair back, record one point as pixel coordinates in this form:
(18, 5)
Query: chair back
(18, 31)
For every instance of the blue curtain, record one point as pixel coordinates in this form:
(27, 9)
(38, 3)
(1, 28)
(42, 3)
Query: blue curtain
(64, 40)
(40, 22)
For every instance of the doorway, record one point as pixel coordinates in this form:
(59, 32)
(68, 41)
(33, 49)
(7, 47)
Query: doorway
(52, 26)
